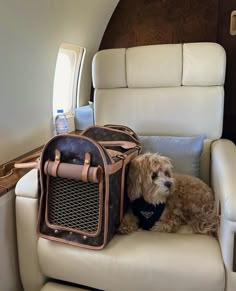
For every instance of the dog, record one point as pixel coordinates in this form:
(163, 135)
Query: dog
(163, 201)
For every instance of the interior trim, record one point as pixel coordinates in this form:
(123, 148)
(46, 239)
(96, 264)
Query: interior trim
(234, 254)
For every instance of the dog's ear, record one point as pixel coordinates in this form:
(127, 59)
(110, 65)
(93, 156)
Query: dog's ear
(166, 161)
(134, 181)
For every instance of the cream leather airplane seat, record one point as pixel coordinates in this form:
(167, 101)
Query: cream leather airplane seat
(160, 90)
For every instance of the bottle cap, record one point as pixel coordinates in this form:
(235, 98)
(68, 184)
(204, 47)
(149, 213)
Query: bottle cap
(60, 111)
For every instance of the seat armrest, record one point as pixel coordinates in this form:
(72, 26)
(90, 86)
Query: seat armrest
(223, 174)
(27, 186)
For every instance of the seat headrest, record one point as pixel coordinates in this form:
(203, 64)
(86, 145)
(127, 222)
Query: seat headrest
(168, 65)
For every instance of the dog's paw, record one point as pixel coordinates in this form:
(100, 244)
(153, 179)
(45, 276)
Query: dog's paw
(162, 227)
(125, 229)
(185, 229)
(128, 224)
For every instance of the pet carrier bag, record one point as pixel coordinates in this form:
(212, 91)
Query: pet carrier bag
(82, 182)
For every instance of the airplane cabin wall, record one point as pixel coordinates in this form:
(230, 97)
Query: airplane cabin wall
(31, 33)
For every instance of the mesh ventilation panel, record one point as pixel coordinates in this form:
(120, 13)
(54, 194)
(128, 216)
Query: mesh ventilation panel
(73, 204)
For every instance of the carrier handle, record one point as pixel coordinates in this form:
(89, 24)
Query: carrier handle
(9, 168)
(124, 144)
(121, 127)
(24, 164)
(73, 171)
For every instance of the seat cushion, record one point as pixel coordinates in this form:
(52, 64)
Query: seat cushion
(184, 152)
(144, 260)
(59, 287)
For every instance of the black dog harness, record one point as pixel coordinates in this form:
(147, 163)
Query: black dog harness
(147, 213)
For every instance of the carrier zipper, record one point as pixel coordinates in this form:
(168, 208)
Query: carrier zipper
(123, 156)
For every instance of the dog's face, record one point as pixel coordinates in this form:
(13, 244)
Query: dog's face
(150, 177)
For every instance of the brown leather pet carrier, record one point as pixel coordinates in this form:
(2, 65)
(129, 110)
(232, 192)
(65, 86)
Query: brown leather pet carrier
(82, 181)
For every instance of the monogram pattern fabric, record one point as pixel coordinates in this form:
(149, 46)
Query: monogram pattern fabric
(82, 213)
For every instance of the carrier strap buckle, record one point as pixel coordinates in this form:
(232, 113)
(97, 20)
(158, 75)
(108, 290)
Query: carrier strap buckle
(86, 166)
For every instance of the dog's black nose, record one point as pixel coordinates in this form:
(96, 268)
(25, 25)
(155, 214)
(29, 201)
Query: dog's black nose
(168, 184)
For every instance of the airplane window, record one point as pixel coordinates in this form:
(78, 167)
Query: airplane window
(66, 79)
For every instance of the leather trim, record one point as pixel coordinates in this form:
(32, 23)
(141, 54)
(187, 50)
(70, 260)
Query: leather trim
(112, 168)
(234, 254)
(113, 153)
(106, 208)
(84, 246)
(126, 162)
(124, 144)
(86, 166)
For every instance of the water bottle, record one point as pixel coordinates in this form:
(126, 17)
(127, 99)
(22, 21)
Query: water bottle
(61, 122)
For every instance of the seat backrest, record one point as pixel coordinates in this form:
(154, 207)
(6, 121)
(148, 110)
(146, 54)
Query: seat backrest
(171, 90)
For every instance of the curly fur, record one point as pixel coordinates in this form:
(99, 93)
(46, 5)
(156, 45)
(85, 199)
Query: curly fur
(188, 199)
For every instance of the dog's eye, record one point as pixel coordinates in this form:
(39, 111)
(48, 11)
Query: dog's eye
(167, 173)
(154, 175)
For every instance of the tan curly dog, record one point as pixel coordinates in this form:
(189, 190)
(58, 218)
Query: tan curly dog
(185, 199)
